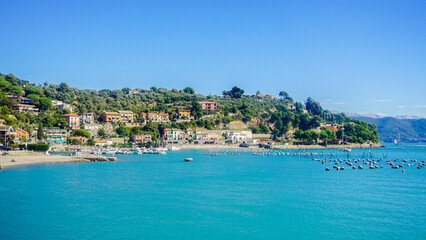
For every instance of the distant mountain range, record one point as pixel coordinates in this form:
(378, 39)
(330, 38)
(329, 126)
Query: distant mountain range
(407, 128)
(378, 115)
(390, 128)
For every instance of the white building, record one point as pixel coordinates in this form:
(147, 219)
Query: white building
(61, 105)
(87, 117)
(236, 137)
(93, 128)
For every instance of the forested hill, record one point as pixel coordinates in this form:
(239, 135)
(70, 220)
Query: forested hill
(408, 130)
(281, 116)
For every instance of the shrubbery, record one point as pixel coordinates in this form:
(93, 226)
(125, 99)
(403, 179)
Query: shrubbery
(36, 147)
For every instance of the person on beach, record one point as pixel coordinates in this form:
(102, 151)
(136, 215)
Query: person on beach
(13, 160)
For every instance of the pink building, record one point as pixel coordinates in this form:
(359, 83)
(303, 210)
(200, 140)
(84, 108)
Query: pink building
(141, 138)
(73, 120)
(207, 105)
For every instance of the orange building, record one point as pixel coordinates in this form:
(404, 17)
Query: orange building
(73, 120)
(22, 133)
(82, 139)
(111, 117)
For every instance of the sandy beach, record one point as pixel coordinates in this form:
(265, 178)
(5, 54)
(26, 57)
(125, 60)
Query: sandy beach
(6, 161)
(23, 158)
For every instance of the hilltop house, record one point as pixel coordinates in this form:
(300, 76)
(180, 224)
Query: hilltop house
(205, 105)
(73, 120)
(61, 105)
(131, 92)
(20, 99)
(26, 108)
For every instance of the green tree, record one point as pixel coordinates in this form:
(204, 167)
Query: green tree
(81, 133)
(298, 134)
(313, 106)
(101, 133)
(323, 135)
(122, 131)
(196, 109)
(63, 87)
(235, 92)
(15, 90)
(283, 94)
(33, 97)
(4, 84)
(33, 90)
(44, 103)
(189, 90)
(299, 106)
(91, 142)
(263, 128)
(40, 132)
(12, 79)
(125, 90)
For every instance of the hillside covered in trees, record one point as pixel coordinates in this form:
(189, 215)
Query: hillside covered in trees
(287, 120)
(403, 130)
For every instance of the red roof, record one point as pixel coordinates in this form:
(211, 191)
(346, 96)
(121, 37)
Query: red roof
(70, 115)
(333, 128)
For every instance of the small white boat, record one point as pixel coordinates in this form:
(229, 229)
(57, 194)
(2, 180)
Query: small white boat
(173, 148)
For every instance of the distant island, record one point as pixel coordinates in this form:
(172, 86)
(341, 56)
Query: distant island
(59, 114)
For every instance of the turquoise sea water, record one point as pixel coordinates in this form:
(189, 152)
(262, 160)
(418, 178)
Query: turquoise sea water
(215, 197)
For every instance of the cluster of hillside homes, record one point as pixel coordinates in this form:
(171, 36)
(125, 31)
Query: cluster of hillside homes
(109, 120)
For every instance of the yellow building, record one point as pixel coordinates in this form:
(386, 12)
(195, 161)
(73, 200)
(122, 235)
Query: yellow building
(126, 116)
(184, 114)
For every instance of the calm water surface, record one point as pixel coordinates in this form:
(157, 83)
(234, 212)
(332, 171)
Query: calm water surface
(220, 197)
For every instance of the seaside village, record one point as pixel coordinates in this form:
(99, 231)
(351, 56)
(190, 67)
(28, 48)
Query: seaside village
(108, 122)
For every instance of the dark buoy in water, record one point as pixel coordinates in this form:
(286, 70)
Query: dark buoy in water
(327, 169)
(189, 159)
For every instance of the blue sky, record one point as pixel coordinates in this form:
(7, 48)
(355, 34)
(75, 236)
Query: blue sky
(353, 56)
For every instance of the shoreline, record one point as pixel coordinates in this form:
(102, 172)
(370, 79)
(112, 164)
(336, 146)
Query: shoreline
(282, 147)
(25, 158)
(34, 158)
